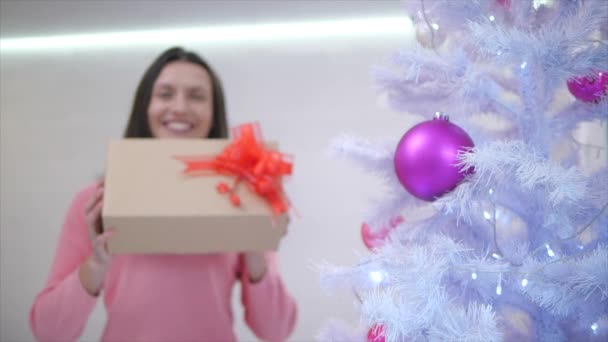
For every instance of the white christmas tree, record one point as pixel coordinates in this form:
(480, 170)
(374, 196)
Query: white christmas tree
(516, 247)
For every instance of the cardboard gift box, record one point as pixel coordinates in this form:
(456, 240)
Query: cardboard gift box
(155, 208)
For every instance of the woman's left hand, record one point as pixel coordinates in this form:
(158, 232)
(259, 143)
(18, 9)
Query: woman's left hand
(256, 262)
(256, 266)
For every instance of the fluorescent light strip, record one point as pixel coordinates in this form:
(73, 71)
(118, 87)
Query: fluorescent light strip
(222, 34)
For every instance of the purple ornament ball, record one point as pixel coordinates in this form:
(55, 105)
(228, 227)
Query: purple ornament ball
(426, 158)
(589, 89)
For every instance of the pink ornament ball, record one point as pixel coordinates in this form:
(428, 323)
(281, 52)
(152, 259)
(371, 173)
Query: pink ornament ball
(504, 3)
(426, 158)
(376, 334)
(374, 239)
(589, 89)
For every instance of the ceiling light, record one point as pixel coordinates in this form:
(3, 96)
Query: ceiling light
(383, 26)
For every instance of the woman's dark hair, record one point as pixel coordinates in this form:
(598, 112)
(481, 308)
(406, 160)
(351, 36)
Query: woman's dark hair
(139, 127)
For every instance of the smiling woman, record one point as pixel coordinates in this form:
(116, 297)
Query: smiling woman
(179, 96)
(181, 104)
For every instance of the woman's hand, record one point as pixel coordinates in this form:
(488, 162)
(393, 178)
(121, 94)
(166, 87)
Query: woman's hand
(93, 270)
(256, 262)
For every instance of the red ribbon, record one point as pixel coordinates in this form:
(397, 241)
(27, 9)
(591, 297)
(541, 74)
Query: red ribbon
(247, 159)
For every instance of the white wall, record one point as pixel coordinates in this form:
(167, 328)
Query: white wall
(58, 110)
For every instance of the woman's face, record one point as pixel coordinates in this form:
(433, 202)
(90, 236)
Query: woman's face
(181, 105)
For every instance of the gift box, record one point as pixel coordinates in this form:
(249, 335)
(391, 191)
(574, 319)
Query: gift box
(155, 206)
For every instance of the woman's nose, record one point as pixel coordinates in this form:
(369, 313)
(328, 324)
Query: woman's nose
(179, 104)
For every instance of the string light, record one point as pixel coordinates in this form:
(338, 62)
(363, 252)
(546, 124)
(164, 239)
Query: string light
(474, 276)
(487, 215)
(376, 277)
(491, 191)
(524, 282)
(499, 286)
(496, 256)
(594, 327)
(435, 26)
(492, 18)
(549, 251)
(536, 4)
(524, 65)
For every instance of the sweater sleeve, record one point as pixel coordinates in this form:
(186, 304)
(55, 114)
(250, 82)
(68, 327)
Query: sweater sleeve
(62, 308)
(270, 311)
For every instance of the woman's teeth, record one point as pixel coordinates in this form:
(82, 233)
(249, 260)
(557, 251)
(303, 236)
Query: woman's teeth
(179, 127)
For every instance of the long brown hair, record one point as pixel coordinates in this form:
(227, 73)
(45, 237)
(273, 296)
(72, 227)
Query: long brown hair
(139, 127)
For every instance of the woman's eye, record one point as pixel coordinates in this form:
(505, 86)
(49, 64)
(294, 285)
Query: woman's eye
(198, 97)
(165, 95)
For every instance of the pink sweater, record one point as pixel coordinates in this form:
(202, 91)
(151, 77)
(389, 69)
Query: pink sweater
(163, 298)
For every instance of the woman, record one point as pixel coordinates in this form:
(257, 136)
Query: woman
(166, 298)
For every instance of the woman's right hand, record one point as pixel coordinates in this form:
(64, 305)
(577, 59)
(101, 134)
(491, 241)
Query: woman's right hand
(93, 270)
(97, 235)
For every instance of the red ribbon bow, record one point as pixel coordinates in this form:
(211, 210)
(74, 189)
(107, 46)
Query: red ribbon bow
(247, 159)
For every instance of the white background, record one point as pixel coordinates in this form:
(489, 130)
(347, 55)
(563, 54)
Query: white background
(59, 109)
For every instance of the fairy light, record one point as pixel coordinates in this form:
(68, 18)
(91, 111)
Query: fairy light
(487, 215)
(581, 247)
(499, 286)
(376, 277)
(523, 65)
(474, 276)
(492, 18)
(491, 191)
(536, 4)
(496, 256)
(435, 26)
(524, 282)
(549, 251)
(594, 327)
